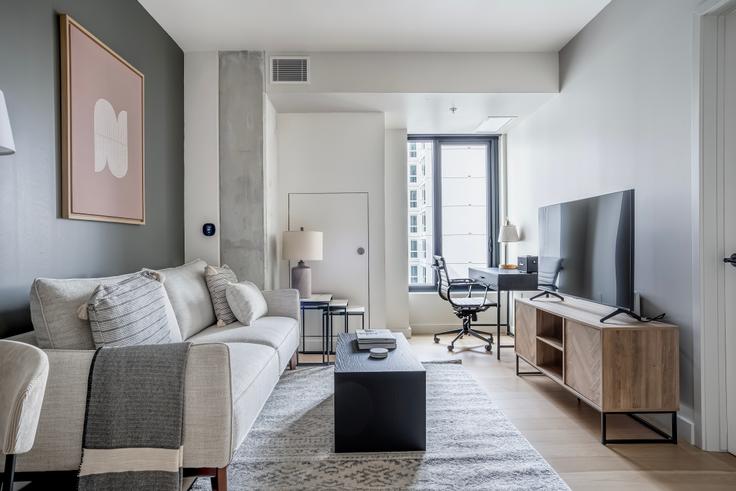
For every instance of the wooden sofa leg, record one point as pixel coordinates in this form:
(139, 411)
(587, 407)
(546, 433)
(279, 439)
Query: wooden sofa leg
(219, 480)
(292, 362)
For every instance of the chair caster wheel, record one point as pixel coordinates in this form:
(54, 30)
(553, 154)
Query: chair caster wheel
(450, 348)
(488, 348)
(436, 340)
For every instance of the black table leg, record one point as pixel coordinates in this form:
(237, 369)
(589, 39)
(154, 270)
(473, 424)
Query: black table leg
(498, 324)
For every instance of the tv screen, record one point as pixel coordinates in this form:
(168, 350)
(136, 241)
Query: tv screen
(586, 248)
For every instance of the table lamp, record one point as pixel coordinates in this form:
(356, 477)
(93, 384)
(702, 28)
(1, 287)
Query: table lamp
(508, 233)
(7, 145)
(302, 245)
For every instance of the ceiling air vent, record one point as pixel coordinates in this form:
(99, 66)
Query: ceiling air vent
(289, 69)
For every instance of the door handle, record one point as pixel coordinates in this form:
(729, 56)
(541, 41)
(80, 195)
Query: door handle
(731, 259)
(360, 251)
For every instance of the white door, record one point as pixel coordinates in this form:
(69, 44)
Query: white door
(729, 139)
(343, 220)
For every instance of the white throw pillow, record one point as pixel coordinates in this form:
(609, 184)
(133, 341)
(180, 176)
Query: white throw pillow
(246, 301)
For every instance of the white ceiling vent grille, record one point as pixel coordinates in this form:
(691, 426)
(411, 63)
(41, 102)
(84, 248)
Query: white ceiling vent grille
(289, 70)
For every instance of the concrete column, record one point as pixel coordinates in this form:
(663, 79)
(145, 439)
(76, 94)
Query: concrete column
(242, 227)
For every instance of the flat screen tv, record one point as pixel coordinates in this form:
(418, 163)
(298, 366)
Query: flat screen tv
(586, 249)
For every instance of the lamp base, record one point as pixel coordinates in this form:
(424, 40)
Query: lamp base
(301, 279)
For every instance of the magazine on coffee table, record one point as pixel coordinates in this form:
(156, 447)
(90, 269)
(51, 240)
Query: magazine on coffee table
(377, 338)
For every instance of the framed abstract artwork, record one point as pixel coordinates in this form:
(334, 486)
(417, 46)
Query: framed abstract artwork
(102, 134)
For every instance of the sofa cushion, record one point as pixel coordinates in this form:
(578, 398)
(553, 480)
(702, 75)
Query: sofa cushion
(218, 280)
(189, 296)
(246, 302)
(54, 304)
(131, 312)
(279, 333)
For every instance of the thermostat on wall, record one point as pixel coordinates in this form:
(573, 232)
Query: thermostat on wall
(208, 229)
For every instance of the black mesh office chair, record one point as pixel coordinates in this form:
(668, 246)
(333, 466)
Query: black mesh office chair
(465, 307)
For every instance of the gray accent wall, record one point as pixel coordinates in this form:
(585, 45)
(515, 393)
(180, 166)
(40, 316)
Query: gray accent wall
(34, 241)
(622, 120)
(242, 205)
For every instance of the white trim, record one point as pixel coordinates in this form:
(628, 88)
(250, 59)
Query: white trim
(707, 227)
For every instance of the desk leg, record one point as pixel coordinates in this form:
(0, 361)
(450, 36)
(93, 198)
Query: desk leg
(498, 324)
(508, 302)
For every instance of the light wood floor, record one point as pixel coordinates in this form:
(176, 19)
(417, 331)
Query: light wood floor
(567, 434)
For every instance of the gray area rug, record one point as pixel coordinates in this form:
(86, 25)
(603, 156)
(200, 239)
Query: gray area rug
(470, 443)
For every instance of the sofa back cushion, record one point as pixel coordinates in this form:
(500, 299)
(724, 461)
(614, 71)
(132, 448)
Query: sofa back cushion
(54, 305)
(190, 297)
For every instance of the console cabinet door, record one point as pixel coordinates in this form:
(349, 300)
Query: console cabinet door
(583, 360)
(526, 332)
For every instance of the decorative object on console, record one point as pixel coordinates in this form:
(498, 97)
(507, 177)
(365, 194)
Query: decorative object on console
(217, 281)
(508, 233)
(528, 264)
(302, 245)
(246, 301)
(102, 135)
(7, 144)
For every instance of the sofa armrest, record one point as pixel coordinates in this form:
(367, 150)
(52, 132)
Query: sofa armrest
(207, 410)
(283, 303)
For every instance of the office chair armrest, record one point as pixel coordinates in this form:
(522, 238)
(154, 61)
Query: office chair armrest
(466, 283)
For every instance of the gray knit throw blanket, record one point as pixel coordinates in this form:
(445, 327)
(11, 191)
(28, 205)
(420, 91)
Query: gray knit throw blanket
(133, 427)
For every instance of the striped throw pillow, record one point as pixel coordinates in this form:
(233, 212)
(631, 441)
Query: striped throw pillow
(217, 281)
(131, 312)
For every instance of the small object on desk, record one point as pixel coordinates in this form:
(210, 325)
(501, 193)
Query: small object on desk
(528, 264)
(508, 233)
(379, 353)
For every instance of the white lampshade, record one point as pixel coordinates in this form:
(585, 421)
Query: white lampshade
(508, 233)
(7, 145)
(302, 245)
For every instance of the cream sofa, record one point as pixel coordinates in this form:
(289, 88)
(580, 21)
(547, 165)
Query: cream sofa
(230, 373)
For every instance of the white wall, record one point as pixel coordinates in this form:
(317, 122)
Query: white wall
(201, 156)
(622, 120)
(271, 206)
(397, 252)
(397, 72)
(337, 152)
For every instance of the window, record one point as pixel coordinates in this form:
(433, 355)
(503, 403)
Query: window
(461, 185)
(412, 173)
(413, 251)
(413, 198)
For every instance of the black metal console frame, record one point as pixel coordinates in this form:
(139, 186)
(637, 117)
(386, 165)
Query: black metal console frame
(666, 438)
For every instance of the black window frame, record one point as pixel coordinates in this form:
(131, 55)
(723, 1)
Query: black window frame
(492, 203)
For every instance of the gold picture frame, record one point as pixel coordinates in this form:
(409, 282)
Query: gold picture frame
(88, 183)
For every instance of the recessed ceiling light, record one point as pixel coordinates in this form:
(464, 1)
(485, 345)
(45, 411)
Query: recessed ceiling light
(493, 124)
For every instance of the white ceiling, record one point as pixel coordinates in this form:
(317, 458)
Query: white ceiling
(418, 113)
(373, 25)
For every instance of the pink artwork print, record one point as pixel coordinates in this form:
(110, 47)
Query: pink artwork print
(105, 133)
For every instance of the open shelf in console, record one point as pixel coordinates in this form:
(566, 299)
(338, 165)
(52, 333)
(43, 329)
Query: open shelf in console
(549, 359)
(550, 328)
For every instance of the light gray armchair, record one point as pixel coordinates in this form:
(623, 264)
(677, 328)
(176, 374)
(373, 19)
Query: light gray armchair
(23, 373)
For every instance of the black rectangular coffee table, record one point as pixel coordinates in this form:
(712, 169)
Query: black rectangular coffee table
(380, 405)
